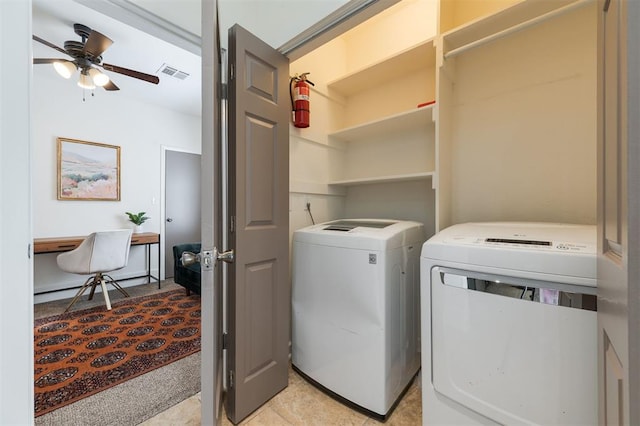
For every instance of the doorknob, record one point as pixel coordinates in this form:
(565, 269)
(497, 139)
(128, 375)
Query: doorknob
(207, 257)
(225, 256)
(189, 258)
(169, 219)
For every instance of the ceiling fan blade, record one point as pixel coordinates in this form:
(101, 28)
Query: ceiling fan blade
(110, 86)
(51, 45)
(48, 60)
(96, 44)
(131, 73)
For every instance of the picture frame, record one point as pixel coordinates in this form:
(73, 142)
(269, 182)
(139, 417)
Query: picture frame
(88, 171)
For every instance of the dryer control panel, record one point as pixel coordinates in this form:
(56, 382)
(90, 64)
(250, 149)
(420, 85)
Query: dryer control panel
(528, 236)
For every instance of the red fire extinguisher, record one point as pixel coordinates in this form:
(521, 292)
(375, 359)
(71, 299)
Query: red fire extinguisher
(299, 90)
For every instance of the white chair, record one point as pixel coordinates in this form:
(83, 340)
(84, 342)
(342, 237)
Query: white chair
(99, 253)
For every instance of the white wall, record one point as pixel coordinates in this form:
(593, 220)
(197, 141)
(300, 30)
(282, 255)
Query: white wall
(16, 284)
(314, 159)
(403, 201)
(140, 130)
(275, 22)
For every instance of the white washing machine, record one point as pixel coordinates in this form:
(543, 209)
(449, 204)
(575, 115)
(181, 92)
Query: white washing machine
(356, 323)
(509, 330)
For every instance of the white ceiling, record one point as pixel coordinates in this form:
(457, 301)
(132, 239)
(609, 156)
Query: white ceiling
(275, 21)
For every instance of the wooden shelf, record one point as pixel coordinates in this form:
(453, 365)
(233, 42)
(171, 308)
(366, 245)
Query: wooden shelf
(393, 124)
(421, 56)
(384, 179)
(298, 187)
(510, 17)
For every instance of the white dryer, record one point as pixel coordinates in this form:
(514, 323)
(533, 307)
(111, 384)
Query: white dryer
(356, 325)
(509, 325)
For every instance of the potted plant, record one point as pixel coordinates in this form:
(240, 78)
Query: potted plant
(137, 219)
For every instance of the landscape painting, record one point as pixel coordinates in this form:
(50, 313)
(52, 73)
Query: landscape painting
(88, 171)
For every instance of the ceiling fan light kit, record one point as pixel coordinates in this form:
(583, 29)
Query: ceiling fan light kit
(87, 57)
(65, 68)
(99, 78)
(85, 82)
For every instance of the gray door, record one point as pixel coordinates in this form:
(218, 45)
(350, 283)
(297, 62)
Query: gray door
(211, 373)
(259, 288)
(618, 212)
(182, 203)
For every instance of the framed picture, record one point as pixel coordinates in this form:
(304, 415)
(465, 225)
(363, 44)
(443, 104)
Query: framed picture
(88, 171)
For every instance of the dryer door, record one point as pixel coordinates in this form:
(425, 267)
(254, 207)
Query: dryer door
(504, 347)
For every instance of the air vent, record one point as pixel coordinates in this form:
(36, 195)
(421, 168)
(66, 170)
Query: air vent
(173, 72)
(168, 70)
(181, 75)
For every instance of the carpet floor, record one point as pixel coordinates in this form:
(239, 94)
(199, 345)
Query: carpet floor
(123, 366)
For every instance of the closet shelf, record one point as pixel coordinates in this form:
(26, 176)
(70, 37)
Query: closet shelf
(421, 56)
(520, 14)
(301, 187)
(384, 179)
(391, 125)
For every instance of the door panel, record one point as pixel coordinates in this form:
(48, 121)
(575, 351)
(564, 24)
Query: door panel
(211, 369)
(259, 287)
(613, 386)
(260, 306)
(260, 175)
(612, 154)
(182, 203)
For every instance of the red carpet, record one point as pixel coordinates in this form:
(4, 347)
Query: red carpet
(80, 353)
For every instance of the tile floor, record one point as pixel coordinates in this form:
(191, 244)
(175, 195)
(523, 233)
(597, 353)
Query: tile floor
(299, 404)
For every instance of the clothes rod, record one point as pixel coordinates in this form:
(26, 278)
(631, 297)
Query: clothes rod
(517, 27)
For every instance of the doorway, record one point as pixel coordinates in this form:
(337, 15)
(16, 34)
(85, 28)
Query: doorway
(181, 202)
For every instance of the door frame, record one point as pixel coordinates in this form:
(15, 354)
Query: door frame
(618, 214)
(163, 197)
(19, 399)
(211, 363)
(16, 230)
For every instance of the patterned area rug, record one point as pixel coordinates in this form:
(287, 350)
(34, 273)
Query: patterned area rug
(80, 353)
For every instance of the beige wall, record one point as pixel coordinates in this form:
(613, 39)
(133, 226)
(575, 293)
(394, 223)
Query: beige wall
(459, 12)
(515, 122)
(523, 125)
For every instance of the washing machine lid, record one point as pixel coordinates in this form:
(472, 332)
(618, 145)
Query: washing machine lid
(554, 248)
(364, 234)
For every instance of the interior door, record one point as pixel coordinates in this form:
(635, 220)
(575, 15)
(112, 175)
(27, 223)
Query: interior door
(618, 213)
(211, 219)
(182, 203)
(259, 293)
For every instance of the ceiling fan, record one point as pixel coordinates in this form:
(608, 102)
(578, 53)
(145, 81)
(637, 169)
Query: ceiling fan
(87, 57)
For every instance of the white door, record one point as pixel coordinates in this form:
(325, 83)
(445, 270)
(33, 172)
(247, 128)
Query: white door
(618, 212)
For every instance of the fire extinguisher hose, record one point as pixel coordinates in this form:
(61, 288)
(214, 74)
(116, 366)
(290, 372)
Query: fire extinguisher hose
(293, 107)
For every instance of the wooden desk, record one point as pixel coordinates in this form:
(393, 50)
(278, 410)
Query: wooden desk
(62, 244)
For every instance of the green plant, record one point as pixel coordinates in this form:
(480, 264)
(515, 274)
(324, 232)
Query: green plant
(137, 218)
